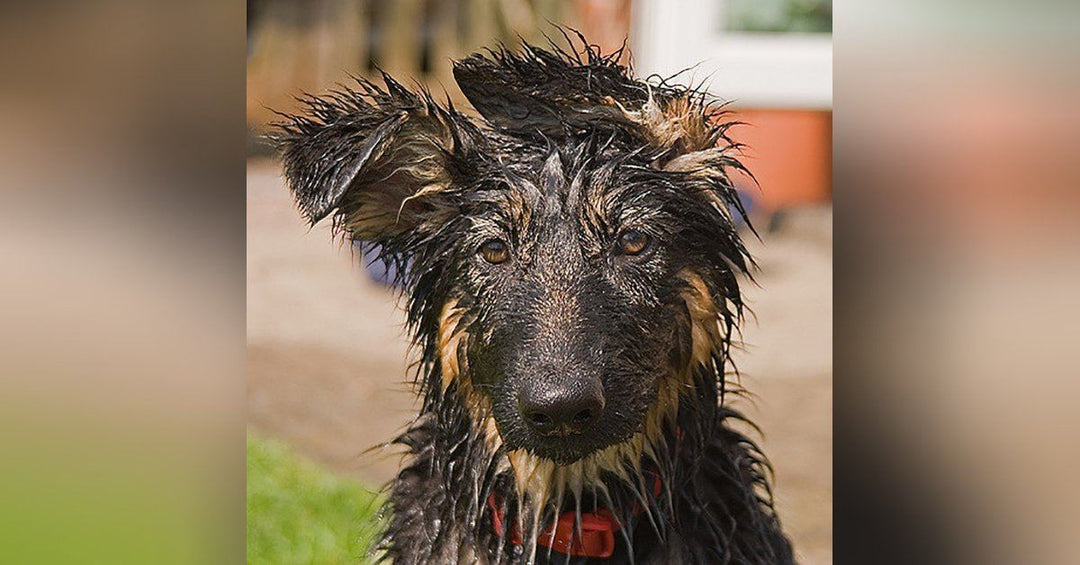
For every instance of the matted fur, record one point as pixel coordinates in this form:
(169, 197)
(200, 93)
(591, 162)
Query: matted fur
(571, 150)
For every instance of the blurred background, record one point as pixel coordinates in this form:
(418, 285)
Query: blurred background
(326, 353)
(125, 146)
(771, 58)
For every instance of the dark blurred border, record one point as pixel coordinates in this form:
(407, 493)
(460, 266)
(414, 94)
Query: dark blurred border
(122, 287)
(122, 241)
(956, 197)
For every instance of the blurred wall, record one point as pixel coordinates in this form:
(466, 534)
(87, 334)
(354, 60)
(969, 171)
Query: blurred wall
(297, 46)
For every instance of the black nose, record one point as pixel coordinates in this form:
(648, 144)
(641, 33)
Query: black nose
(561, 409)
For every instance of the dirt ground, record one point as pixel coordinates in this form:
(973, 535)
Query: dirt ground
(326, 356)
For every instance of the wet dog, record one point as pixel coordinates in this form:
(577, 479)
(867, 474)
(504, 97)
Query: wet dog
(571, 267)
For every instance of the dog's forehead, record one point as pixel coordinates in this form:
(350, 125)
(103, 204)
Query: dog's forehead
(561, 186)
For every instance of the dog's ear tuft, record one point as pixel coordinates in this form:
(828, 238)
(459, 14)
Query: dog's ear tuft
(547, 93)
(561, 92)
(383, 161)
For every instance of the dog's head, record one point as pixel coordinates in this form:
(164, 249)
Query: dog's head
(570, 261)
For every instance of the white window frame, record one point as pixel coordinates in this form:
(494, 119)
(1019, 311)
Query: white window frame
(760, 70)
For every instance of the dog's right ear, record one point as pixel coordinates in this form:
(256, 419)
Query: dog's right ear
(384, 161)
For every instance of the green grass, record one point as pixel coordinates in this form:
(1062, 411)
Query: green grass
(299, 513)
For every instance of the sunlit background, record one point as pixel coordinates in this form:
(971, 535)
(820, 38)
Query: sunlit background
(326, 354)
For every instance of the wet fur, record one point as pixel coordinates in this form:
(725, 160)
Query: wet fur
(567, 136)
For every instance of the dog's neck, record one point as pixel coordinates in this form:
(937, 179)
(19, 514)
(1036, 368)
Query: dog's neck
(442, 508)
(631, 481)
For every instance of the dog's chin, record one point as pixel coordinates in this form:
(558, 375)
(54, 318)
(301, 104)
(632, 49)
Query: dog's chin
(568, 450)
(563, 451)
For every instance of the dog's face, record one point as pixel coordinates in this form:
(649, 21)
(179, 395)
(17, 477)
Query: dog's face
(566, 272)
(573, 298)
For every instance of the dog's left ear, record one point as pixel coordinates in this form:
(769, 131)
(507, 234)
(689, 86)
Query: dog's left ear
(384, 161)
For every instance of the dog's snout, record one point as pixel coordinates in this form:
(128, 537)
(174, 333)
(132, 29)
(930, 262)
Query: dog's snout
(561, 409)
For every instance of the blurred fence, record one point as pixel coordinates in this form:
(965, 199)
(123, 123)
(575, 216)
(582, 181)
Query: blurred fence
(297, 46)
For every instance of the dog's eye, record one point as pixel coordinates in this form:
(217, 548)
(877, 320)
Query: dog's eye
(495, 251)
(633, 241)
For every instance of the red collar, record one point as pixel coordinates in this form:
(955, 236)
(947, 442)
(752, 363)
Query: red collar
(597, 536)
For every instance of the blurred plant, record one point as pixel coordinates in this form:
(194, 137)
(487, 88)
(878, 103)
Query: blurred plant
(778, 16)
(300, 513)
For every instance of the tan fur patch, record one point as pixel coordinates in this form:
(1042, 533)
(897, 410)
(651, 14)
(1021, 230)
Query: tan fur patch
(682, 124)
(704, 317)
(696, 161)
(452, 340)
